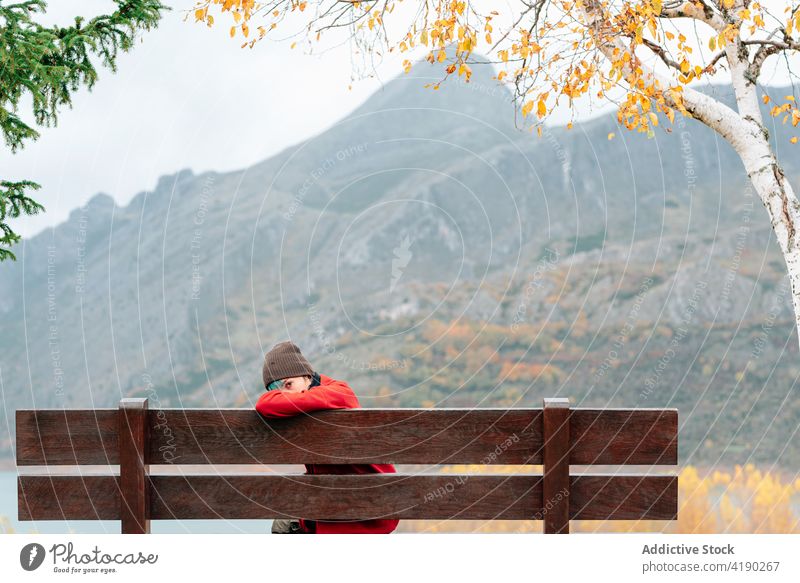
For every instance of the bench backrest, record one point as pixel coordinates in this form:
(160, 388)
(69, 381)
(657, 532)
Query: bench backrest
(146, 443)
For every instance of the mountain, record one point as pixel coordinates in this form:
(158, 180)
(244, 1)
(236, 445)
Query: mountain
(432, 254)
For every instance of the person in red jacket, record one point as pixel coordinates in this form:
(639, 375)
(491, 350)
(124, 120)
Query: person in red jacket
(294, 388)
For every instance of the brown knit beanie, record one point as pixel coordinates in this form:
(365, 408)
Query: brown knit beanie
(283, 361)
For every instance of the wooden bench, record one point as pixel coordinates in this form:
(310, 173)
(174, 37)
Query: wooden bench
(147, 444)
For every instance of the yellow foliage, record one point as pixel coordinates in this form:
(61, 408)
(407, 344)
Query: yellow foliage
(572, 57)
(520, 371)
(5, 526)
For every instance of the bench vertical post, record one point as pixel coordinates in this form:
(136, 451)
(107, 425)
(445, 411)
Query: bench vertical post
(555, 490)
(133, 466)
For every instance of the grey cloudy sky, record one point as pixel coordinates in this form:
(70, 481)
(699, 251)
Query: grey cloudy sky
(186, 97)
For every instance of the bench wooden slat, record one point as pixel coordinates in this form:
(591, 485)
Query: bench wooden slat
(67, 437)
(624, 436)
(349, 497)
(596, 497)
(398, 436)
(67, 497)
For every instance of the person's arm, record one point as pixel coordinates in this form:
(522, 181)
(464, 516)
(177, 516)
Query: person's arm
(335, 395)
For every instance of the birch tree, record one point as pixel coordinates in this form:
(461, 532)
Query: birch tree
(644, 56)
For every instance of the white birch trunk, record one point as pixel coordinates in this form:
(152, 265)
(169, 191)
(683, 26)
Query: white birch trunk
(766, 175)
(782, 206)
(744, 130)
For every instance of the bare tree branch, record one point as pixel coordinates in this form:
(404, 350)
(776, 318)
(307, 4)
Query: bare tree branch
(703, 13)
(662, 54)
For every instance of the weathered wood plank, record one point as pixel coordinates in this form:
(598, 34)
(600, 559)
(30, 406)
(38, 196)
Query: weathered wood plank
(627, 497)
(349, 497)
(555, 492)
(133, 468)
(624, 436)
(398, 436)
(67, 437)
(357, 436)
(67, 497)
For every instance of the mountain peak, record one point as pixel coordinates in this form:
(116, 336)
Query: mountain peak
(168, 182)
(101, 200)
(484, 73)
(482, 98)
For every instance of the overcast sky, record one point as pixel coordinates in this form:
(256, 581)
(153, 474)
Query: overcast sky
(186, 97)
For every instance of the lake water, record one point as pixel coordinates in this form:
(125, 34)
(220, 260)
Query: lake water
(8, 509)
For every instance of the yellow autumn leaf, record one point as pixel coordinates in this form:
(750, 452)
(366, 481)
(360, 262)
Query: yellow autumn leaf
(541, 109)
(526, 109)
(794, 140)
(611, 135)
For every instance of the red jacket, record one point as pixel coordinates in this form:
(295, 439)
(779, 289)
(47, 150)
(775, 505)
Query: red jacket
(330, 394)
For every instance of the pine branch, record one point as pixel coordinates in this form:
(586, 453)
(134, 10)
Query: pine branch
(49, 64)
(14, 202)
